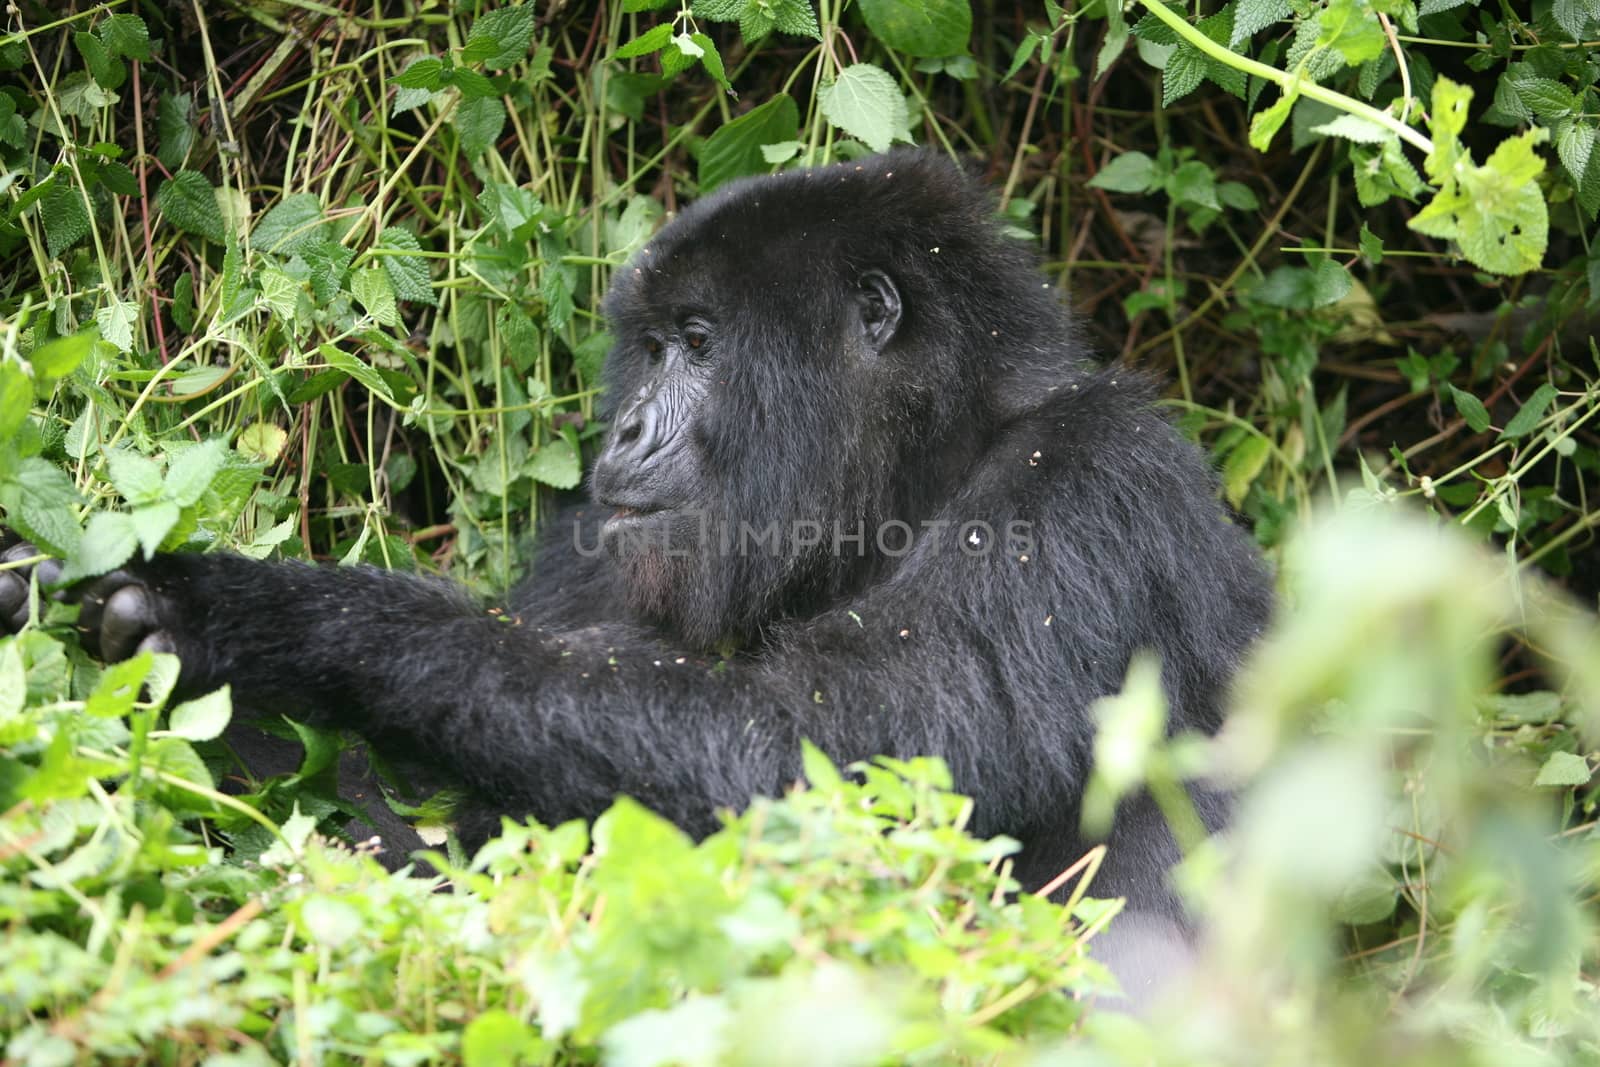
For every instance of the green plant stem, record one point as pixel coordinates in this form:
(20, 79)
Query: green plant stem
(1285, 80)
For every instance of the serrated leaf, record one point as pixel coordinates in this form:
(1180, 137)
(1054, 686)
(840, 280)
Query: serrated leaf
(920, 27)
(190, 203)
(1564, 769)
(126, 35)
(426, 73)
(60, 356)
(556, 464)
(174, 128)
(1304, 288)
(1371, 246)
(1545, 97)
(1252, 16)
(512, 210)
(469, 83)
(478, 122)
(652, 40)
(796, 17)
(734, 150)
(1355, 128)
(191, 470)
(408, 274)
(66, 220)
(202, 718)
(370, 286)
(107, 71)
(136, 477)
(152, 523)
(292, 225)
(116, 321)
(281, 294)
(361, 372)
(1470, 408)
(865, 102)
(711, 59)
(1527, 417)
(108, 542)
(499, 38)
(39, 500)
(1131, 172)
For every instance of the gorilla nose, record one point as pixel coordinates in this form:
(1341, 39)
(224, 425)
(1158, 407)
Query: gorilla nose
(635, 438)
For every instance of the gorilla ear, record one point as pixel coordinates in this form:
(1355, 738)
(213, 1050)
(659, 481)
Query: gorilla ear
(878, 303)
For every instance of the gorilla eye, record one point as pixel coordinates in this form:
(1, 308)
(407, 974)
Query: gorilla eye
(652, 345)
(695, 338)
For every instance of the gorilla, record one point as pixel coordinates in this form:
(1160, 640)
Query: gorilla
(862, 485)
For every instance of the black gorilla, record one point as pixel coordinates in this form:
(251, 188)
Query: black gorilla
(861, 486)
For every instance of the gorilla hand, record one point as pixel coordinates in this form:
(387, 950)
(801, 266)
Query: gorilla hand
(119, 614)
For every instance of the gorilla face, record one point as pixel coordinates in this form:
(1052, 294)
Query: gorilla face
(712, 538)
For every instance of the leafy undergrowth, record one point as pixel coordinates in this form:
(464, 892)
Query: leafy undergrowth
(320, 281)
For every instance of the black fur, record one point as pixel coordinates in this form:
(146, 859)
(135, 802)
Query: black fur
(850, 346)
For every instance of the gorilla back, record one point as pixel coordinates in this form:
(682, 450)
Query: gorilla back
(855, 449)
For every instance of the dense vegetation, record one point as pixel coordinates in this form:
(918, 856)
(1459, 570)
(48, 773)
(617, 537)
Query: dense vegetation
(320, 281)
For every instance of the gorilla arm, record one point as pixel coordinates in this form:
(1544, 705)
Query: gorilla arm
(556, 723)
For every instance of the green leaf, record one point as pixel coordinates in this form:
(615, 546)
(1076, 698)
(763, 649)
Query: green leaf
(796, 17)
(1470, 408)
(556, 464)
(183, 302)
(153, 522)
(190, 470)
(109, 541)
(1355, 128)
(1351, 28)
(1131, 172)
(734, 150)
(66, 220)
(1267, 123)
(1527, 417)
(136, 477)
(1244, 464)
(425, 73)
(39, 500)
(469, 83)
(370, 286)
(1252, 16)
(282, 294)
(920, 27)
(1194, 184)
(1304, 288)
(126, 35)
(290, 226)
(478, 122)
(361, 372)
(116, 320)
(174, 128)
(711, 59)
(59, 357)
(118, 688)
(652, 40)
(499, 38)
(865, 102)
(107, 71)
(190, 203)
(408, 274)
(203, 718)
(1371, 246)
(1564, 769)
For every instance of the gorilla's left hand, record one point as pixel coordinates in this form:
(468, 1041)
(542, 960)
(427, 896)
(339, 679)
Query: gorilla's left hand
(119, 615)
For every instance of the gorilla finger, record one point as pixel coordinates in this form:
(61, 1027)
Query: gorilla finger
(158, 641)
(94, 596)
(13, 601)
(128, 618)
(49, 573)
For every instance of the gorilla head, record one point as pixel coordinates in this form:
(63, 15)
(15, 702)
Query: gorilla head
(798, 361)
